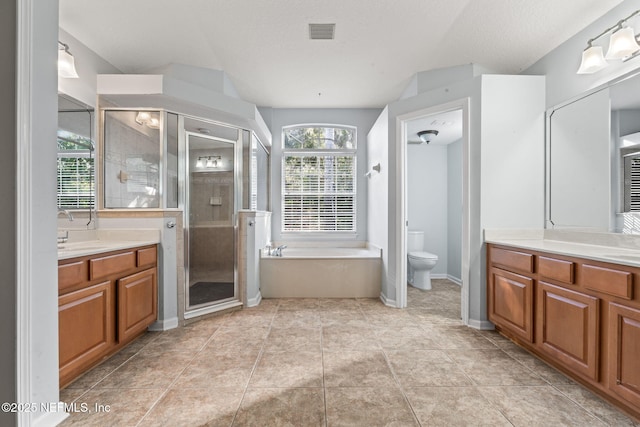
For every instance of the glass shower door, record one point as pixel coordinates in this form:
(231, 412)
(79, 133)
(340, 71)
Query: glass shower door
(210, 216)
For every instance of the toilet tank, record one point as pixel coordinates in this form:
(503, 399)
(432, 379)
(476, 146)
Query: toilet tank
(415, 241)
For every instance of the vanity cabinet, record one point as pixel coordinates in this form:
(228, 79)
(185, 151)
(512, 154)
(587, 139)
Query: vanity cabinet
(580, 315)
(104, 302)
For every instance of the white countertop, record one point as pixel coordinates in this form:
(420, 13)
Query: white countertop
(93, 242)
(605, 248)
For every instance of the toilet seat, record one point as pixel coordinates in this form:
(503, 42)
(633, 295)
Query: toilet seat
(422, 255)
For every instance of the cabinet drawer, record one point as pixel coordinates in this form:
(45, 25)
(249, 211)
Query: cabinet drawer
(556, 269)
(608, 281)
(72, 274)
(111, 264)
(512, 259)
(147, 257)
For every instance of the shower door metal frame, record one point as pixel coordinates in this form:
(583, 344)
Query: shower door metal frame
(183, 204)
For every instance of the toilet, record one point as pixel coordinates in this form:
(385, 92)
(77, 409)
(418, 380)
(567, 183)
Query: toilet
(420, 263)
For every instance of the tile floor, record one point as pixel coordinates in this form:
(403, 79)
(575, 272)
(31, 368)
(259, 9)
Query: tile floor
(323, 362)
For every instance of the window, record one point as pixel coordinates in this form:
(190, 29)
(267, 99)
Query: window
(76, 186)
(318, 179)
(632, 182)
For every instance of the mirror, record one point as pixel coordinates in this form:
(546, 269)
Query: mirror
(76, 157)
(593, 160)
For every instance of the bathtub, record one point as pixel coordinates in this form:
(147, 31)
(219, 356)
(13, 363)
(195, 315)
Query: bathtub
(321, 272)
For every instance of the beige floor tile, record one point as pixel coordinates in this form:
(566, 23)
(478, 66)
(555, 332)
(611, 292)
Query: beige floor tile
(493, 367)
(149, 370)
(116, 407)
(234, 339)
(356, 369)
(541, 406)
(211, 369)
(293, 339)
(298, 304)
(296, 319)
(99, 372)
(406, 338)
(453, 406)
(370, 406)
(596, 406)
(457, 336)
(195, 407)
(188, 340)
(546, 372)
(299, 369)
(343, 337)
(275, 407)
(250, 318)
(432, 368)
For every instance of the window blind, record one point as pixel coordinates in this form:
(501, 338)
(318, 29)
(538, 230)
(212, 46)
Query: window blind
(76, 187)
(319, 192)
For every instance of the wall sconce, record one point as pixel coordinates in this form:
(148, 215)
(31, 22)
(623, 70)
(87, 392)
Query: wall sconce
(66, 63)
(145, 118)
(623, 45)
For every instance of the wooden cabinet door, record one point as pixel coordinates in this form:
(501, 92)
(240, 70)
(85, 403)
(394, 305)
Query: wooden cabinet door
(624, 352)
(86, 325)
(568, 328)
(510, 302)
(137, 303)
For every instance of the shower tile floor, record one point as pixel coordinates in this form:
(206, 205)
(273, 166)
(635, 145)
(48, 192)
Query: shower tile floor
(325, 362)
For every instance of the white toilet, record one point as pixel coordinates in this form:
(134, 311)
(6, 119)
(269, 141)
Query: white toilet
(420, 263)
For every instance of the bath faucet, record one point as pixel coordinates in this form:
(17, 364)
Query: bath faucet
(66, 212)
(278, 250)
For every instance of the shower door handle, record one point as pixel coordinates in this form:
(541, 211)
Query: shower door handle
(171, 224)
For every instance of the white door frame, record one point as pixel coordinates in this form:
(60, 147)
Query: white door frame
(401, 208)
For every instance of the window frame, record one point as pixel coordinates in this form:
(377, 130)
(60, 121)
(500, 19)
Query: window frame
(318, 153)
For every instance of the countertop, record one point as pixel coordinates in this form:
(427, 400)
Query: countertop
(604, 248)
(100, 241)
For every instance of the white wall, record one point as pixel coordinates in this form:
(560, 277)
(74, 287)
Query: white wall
(88, 65)
(362, 119)
(378, 193)
(427, 198)
(561, 64)
(454, 211)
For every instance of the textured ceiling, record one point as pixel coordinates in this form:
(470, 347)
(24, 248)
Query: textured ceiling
(264, 48)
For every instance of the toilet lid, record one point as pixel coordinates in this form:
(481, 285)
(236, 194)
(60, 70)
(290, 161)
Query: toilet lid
(423, 255)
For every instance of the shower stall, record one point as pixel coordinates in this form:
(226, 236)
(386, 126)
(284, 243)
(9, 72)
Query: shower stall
(160, 160)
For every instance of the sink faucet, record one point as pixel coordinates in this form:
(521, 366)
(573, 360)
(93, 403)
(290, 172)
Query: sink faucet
(278, 250)
(66, 212)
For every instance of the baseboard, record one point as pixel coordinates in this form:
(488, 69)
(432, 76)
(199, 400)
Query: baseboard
(52, 418)
(252, 302)
(387, 301)
(454, 280)
(483, 325)
(164, 325)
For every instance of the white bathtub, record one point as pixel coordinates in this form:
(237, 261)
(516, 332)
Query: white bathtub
(322, 272)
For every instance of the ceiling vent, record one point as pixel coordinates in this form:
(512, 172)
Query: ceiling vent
(322, 31)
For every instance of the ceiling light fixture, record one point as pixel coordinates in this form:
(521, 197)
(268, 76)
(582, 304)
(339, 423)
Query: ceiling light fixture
(66, 63)
(623, 44)
(426, 136)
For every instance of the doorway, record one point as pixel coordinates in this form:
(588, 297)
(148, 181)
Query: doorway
(438, 119)
(210, 205)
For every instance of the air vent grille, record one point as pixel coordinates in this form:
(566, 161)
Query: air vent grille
(322, 31)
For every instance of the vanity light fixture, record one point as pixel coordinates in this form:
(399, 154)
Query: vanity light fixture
(208, 161)
(146, 118)
(623, 45)
(66, 63)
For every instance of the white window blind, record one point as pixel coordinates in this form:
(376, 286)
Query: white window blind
(319, 186)
(632, 183)
(76, 187)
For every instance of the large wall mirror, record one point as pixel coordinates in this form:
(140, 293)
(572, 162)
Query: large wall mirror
(593, 160)
(76, 156)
